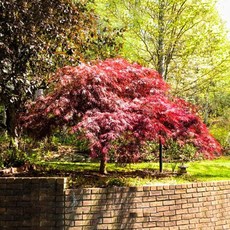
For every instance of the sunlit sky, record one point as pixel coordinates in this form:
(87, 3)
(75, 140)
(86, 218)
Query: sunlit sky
(223, 7)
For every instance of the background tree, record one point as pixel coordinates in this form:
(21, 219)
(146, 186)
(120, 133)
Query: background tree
(113, 100)
(36, 37)
(184, 40)
(169, 35)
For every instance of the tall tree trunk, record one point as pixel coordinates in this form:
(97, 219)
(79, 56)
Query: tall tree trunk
(11, 126)
(4, 117)
(160, 48)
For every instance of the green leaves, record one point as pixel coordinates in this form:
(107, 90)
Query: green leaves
(183, 40)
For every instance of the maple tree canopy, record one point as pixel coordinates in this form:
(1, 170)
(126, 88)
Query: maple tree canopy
(107, 99)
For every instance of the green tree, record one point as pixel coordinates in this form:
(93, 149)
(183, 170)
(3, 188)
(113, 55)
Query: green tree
(184, 40)
(215, 104)
(36, 37)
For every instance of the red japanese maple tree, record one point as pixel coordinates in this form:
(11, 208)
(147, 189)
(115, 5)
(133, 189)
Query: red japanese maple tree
(111, 98)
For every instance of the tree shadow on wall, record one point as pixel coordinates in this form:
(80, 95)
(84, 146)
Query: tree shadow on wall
(101, 208)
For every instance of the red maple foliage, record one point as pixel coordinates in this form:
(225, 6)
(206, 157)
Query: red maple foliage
(111, 98)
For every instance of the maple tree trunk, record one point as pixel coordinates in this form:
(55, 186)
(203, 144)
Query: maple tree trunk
(103, 165)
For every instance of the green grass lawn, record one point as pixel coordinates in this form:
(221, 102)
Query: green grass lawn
(140, 174)
(218, 169)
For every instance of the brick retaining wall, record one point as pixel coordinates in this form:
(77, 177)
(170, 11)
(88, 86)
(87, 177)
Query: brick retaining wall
(189, 206)
(32, 203)
(44, 203)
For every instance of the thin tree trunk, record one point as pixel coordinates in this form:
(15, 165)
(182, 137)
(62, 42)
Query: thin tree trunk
(160, 157)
